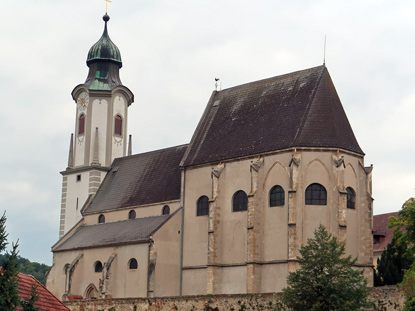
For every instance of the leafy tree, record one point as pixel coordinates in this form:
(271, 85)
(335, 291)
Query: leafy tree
(326, 280)
(392, 264)
(9, 298)
(38, 270)
(405, 227)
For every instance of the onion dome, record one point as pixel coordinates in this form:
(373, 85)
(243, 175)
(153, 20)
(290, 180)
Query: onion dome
(104, 62)
(104, 49)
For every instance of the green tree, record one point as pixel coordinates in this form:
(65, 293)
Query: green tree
(392, 264)
(9, 298)
(326, 280)
(29, 305)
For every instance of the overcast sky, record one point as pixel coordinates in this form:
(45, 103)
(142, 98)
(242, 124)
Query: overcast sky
(171, 53)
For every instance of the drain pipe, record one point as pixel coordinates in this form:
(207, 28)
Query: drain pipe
(182, 232)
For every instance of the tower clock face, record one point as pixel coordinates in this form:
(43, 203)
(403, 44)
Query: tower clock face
(83, 100)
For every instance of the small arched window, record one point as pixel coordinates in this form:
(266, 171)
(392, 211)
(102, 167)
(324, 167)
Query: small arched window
(132, 264)
(81, 124)
(118, 125)
(98, 266)
(202, 206)
(165, 210)
(240, 201)
(316, 194)
(101, 219)
(351, 198)
(131, 214)
(276, 196)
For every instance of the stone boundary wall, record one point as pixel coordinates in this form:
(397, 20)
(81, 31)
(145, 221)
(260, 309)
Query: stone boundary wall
(386, 298)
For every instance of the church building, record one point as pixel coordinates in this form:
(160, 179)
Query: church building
(227, 213)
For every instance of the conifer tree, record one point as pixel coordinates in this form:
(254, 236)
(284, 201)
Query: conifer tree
(326, 280)
(393, 262)
(29, 305)
(9, 298)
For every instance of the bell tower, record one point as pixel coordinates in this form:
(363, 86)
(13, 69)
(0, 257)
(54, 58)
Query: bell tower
(100, 129)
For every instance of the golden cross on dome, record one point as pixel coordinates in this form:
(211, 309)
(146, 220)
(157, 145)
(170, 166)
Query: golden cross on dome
(106, 5)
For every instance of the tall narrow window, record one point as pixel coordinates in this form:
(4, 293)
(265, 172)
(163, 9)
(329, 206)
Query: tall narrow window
(240, 201)
(315, 194)
(118, 125)
(276, 196)
(101, 219)
(202, 206)
(81, 124)
(166, 210)
(351, 198)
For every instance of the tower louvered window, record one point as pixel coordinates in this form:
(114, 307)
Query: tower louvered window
(81, 124)
(118, 125)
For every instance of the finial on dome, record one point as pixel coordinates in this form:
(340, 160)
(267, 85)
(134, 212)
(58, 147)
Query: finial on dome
(106, 17)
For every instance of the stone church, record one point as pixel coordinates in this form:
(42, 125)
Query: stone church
(269, 161)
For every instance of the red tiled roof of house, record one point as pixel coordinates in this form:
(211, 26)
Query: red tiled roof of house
(380, 227)
(47, 301)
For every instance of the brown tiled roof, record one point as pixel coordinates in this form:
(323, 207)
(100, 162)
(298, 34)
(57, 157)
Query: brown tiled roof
(140, 179)
(300, 109)
(112, 233)
(47, 301)
(380, 227)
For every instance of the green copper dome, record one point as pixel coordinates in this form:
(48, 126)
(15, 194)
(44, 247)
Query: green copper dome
(104, 49)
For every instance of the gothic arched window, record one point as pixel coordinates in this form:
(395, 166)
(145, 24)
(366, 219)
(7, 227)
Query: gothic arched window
(351, 198)
(118, 125)
(133, 264)
(276, 196)
(240, 201)
(81, 124)
(98, 266)
(202, 206)
(101, 219)
(316, 194)
(131, 214)
(166, 210)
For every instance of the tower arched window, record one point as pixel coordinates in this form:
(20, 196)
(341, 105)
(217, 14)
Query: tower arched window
(101, 219)
(351, 198)
(202, 207)
(118, 125)
(276, 196)
(315, 194)
(133, 264)
(165, 210)
(81, 124)
(98, 266)
(240, 201)
(131, 214)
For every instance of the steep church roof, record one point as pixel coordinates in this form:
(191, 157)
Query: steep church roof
(299, 109)
(144, 178)
(113, 233)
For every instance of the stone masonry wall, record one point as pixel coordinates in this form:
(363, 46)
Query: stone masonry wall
(386, 298)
